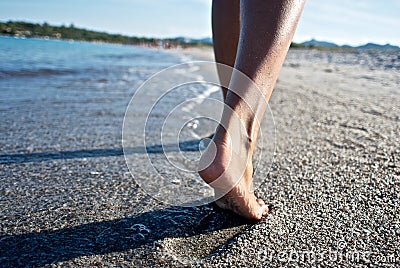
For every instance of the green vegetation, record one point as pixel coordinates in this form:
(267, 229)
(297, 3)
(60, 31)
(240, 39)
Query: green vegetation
(321, 48)
(295, 45)
(25, 29)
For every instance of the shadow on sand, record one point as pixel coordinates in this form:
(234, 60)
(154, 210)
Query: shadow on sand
(53, 246)
(186, 146)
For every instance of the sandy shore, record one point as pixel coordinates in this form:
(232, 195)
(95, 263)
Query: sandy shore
(206, 54)
(334, 186)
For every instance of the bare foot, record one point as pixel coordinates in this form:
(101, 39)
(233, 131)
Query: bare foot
(230, 175)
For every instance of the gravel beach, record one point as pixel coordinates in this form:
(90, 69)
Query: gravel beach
(334, 185)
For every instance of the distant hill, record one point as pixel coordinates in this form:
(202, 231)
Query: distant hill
(206, 40)
(323, 44)
(315, 43)
(376, 46)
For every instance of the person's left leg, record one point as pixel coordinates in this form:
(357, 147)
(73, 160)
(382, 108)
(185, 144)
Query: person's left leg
(226, 29)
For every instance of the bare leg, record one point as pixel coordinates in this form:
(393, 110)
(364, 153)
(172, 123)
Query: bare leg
(266, 31)
(226, 29)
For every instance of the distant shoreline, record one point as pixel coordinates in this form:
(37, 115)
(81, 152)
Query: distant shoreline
(20, 29)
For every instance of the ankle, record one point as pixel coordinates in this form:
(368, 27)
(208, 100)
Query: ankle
(236, 139)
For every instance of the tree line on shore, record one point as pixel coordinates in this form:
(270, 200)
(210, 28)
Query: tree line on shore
(44, 30)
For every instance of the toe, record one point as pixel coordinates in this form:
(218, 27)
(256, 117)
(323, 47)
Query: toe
(264, 210)
(259, 209)
(260, 201)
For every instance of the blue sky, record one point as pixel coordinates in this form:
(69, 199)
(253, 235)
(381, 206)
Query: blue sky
(342, 21)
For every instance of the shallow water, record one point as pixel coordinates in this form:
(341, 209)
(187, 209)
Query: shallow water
(57, 95)
(62, 100)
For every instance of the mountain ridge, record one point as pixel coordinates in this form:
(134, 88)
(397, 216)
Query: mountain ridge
(315, 43)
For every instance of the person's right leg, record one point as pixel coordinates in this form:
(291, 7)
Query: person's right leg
(267, 28)
(226, 29)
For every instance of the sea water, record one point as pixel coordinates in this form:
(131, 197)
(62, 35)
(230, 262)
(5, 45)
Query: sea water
(67, 100)
(58, 95)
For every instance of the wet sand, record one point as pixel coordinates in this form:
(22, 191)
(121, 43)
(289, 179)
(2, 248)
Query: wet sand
(334, 186)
